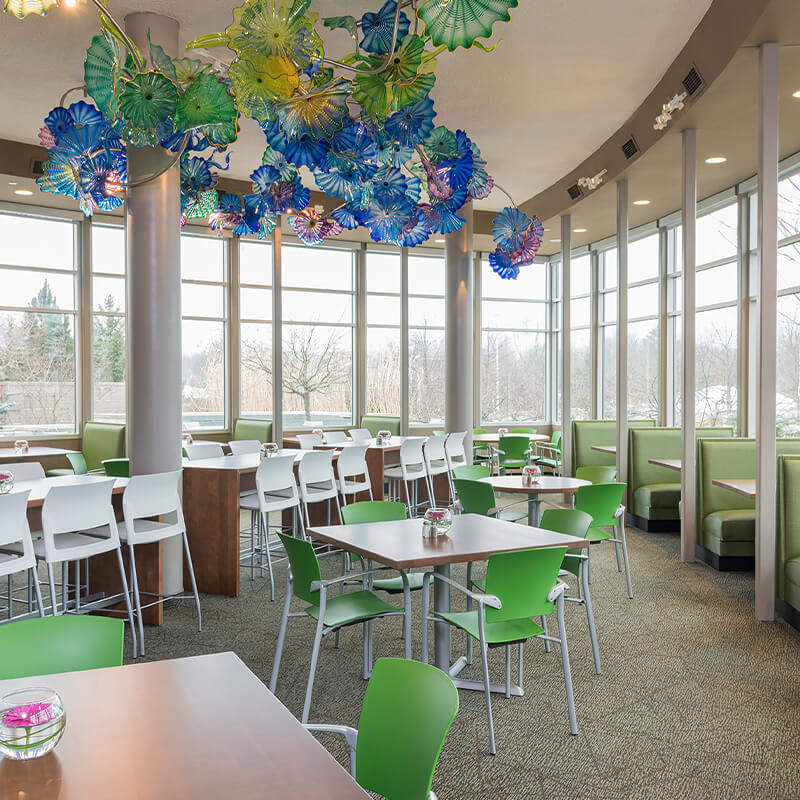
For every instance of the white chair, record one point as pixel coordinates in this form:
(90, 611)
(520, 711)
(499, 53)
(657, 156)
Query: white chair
(352, 463)
(148, 496)
(14, 532)
(25, 471)
(411, 469)
(308, 441)
(436, 463)
(276, 490)
(359, 434)
(317, 481)
(244, 446)
(456, 455)
(336, 437)
(198, 451)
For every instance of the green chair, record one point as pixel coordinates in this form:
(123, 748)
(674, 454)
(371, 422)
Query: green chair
(472, 472)
(249, 429)
(78, 464)
(481, 452)
(597, 474)
(512, 452)
(66, 643)
(548, 454)
(524, 430)
(603, 503)
(101, 441)
(394, 753)
(477, 497)
(519, 586)
(331, 613)
(440, 433)
(117, 467)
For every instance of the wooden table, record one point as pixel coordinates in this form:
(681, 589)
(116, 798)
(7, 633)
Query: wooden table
(8, 454)
(610, 449)
(472, 537)
(494, 438)
(669, 463)
(203, 728)
(547, 484)
(746, 487)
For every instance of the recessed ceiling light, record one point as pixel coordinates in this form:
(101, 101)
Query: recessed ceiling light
(546, 229)
(716, 160)
(796, 94)
(641, 202)
(24, 192)
(439, 241)
(555, 240)
(579, 230)
(13, 183)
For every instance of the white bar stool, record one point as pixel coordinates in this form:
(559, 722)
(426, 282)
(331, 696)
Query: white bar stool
(360, 434)
(352, 463)
(244, 446)
(456, 455)
(411, 469)
(436, 463)
(25, 471)
(308, 441)
(198, 451)
(317, 481)
(336, 437)
(15, 532)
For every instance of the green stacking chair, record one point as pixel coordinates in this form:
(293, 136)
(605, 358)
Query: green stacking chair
(477, 497)
(512, 452)
(548, 454)
(331, 613)
(66, 643)
(603, 502)
(394, 753)
(481, 452)
(520, 585)
(117, 467)
(597, 474)
(472, 472)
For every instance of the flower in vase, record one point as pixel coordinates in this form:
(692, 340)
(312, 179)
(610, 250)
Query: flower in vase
(25, 716)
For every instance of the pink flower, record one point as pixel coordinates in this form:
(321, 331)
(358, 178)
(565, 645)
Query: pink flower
(46, 138)
(27, 715)
(435, 516)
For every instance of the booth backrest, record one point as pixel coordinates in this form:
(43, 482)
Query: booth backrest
(248, 429)
(376, 422)
(788, 515)
(590, 432)
(101, 441)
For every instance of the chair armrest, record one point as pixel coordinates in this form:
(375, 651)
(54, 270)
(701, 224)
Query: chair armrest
(483, 599)
(350, 734)
(317, 585)
(619, 512)
(557, 591)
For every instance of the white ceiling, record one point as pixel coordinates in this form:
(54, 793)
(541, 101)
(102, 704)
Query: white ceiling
(567, 74)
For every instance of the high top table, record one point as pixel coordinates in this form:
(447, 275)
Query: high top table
(202, 727)
(547, 484)
(472, 537)
(9, 454)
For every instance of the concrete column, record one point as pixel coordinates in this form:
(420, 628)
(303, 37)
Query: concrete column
(277, 336)
(566, 347)
(622, 331)
(767, 306)
(152, 219)
(404, 361)
(360, 349)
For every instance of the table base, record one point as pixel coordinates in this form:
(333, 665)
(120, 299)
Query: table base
(494, 688)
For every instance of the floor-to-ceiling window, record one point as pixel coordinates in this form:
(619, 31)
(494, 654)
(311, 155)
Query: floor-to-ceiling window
(513, 361)
(580, 336)
(38, 323)
(556, 322)
(607, 333)
(674, 240)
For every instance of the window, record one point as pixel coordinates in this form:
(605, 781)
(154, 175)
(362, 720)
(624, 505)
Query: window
(38, 320)
(317, 335)
(426, 360)
(674, 346)
(514, 345)
(383, 332)
(255, 314)
(607, 333)
(204, 273)
(580, 337)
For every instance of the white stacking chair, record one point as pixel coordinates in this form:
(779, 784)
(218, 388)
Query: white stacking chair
(15, 533)
(352, 463)
(244, 446)
(24, 471)
(198, 451)
(410, 470)
(359, 434)
(308, 441)
(148, 496)
(336, 437)
(456, 455)
(436, 464)
(317, 481)
(276, 490)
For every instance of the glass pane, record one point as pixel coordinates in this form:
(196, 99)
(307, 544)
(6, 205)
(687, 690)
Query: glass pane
(609, 270)
(199, 300)
(108, 368)
(788, 397)
(675, 294)
(424, 312)
(530, 284)
(256, 370)
(426, 377)
(580, 312)
(609, 307)
(717, 285)
(255, 303)
(580, 276)
(317, 268)
(383, 310)
(202, 258)
(255, 262)
(37, 373)
(108, 249)
(643, 301)
(425, 275)
(317, 307)
(108, 294)
(678, 266)
(31, 242)
(788, 266)
(608, 371)
(37, 289)
(581, 374)
(717, 235)
(513, 381)
(677, 374)
(317, 376)
(716, 366)
(643, 370)
(383, 272)
(498, 314)
(789, 206)
(643, 259)
(383, 371)
(203, 374)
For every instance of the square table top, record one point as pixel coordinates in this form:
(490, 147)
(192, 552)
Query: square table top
(8, 454)
(391, 446)
(743, 486)
(245, 462)
(202, 727)
(40, 488)
(669, 463)
(472, 537)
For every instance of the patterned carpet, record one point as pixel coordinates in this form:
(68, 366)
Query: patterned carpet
(696, 698)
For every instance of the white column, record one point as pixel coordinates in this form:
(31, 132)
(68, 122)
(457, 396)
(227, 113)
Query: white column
(766, 468)
(360, 399)
(566, 349)
(277, 336)
(404, 362)
(688, 320)
(622, 331)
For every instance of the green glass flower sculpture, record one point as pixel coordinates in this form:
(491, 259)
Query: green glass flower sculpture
(148, 99)
(319, 114)
(260, 81)
(208, 107)
(102, 74)
(21, 8)
(458, 23)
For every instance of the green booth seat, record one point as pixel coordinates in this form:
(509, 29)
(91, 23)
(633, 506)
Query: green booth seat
(788, 563)
(586, 433)
(379, 422)
(247, 429)
(656, 491)
(101, 441)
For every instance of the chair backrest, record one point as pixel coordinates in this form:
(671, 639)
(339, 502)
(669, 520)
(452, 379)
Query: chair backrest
(66, 643)
(397, 751)
(381, 422)
(589, 432)
(522, 580)
(304, 566)
(478, 430)
(472, 472)
(24, 471)
(569, 521)
(78, 463)
(597, 474)
(373, 511)
(352, 460)
(359, 434)
(434, 449)
(308, 441)
(600, 501)
(454, 447)
(411, 451)
(336, 437)
(195, 452)
(117, 467)
(555, 439)
(102, 440)
(476, 497)
(259, 429)
(240, 447)
(78, 507)
(316, 466)
(14, 529)
(788, 518)
(154, 495)
(514, 447)
(276, 474)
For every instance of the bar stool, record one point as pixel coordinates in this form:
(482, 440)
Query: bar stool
(25, 471)
(244, 446)
(276, 490)
(411, 468)
(317, 481)
(353, 463)
(359, 434)
(336, 437)
(308, 441)
(14, 531)
(208, 450)
(436, 463)
(148, 496)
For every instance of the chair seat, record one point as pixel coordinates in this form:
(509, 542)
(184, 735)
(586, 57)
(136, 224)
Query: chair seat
(273, 502)
(66, 541)
(553, 463)
(395, 585)
(345, 609)
(513, 463)
(595, 535)
(59, 473)
(658, 495)
(397, 472)
(512, 516)
(146, 530)
(791, 570)
(733, 525)
(356, 486)
(512, 630)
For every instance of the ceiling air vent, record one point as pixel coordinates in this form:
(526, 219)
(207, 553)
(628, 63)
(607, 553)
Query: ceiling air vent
(692, 82)
(630, 148)
(37, 169)
(574, 191)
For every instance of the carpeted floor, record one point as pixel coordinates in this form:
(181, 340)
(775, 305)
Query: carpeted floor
(696, 699)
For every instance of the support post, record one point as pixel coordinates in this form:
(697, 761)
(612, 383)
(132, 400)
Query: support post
(566, 369)
(622, 331)
(404, 361)
(277, 336)
(360, 349)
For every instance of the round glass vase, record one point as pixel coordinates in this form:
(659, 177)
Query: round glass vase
(383, 437)
(438, 520)
(32, 722)
(268, 449)
(21, 447)
(6, 481)
(530, 475)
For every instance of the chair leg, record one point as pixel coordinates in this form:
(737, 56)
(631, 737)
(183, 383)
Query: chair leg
(589, 564)
(544, 625)
(313, 669)
(519, 666)
(562, 635)
(621, 529)
(64, 579)
(508, 671)
(32, 576)
(252, 545)
(190, 567)
(339, 509)
(126, 593)
(52, 581)
(136, 598)
(618, 555)
(10, 589)
(486, 685)
(276, 664)
(264, 522)
(587, 601)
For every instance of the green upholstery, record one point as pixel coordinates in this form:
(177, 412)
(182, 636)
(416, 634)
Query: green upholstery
(788, 566)
(101, 441)
(589, 432)
(67, 643)
(377, 422)
(656, 491)
(477, 497)
(78, 463)
(249, 429)
(472, 472)
(117, 467)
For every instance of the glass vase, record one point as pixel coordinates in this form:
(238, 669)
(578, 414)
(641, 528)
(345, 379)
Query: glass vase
(32, 722)
(6, 482)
